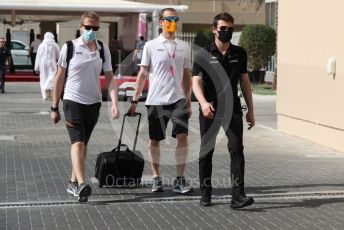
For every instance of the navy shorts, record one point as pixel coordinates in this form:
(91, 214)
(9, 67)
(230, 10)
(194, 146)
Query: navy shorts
(159, 116)
(80, 120)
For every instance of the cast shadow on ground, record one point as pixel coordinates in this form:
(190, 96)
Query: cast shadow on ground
(222, 191)
(305, 203)
(272, 204)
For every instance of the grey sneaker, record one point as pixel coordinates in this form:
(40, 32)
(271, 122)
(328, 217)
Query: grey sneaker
(72, 188)
(84, 191)
(157, 184)
(181, 186)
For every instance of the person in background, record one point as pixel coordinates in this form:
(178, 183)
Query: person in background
(138, 53)
(33, 51)
(5, 60)
(46, 63)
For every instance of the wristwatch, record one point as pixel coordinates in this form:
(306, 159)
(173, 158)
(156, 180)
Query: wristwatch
(134, 102)
(53, 109)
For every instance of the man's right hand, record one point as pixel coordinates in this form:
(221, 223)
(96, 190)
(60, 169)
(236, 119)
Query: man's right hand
(132, 110)
(55, 117)
(208, 110)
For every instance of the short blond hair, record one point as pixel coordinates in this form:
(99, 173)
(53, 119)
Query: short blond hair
(161, 13)
(89, 14)
(2, 37)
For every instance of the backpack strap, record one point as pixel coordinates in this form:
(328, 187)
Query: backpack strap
(101, 52)
(70, 52)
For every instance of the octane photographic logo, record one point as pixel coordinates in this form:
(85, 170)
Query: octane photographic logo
(168, 147)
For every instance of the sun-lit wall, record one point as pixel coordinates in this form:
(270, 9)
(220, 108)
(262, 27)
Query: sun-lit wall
(310, 103)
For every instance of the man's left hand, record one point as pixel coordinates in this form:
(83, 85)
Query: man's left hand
(250, 119)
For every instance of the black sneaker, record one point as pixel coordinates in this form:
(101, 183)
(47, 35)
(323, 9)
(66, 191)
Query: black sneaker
(205, 199)
(84, 191)
(72, 188)
(240, 200)
(157, 184)
(181, 186)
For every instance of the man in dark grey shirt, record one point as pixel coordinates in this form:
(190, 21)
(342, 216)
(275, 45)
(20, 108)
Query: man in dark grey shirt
(5, 59)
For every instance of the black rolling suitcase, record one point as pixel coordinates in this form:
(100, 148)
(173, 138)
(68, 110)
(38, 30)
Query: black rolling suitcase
(121, 166)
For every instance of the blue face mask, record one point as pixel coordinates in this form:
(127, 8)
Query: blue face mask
(89, 35)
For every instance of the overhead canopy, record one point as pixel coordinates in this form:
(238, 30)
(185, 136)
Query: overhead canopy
(65, 6)
(65, 10)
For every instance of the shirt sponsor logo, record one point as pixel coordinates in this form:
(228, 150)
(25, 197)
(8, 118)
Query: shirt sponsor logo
(213, 60)
(78, 52)
(160, 50)
(233, 61)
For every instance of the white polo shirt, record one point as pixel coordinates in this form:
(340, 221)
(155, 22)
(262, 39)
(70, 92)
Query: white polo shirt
(35, 44)
(165, 84)
(82, 84)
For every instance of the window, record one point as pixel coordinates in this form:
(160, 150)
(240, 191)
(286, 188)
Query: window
(17, 46)
(270, 9)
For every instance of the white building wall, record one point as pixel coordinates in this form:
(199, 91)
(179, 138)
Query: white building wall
(310, 101)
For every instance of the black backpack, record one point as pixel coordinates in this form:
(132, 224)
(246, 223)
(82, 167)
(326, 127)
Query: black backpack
(70, 52)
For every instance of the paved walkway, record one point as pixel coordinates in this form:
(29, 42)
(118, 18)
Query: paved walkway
(296, 184)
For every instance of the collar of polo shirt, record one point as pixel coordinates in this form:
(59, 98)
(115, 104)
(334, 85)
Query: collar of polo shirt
(161, 38)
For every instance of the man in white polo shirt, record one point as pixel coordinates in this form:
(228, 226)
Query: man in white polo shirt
(82, 97)
(166, 61)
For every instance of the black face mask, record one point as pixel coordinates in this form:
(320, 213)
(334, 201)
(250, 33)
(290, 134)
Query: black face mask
(225, 35)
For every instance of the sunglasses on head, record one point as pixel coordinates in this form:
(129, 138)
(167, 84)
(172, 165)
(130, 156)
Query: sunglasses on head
(171, 18)
(94, 28)
(225, 28)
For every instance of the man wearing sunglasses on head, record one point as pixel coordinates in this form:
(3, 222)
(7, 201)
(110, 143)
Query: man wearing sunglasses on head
(222, 62)
(82, 96)
(166, 61)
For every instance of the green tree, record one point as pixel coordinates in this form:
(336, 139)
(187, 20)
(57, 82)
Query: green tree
(203, 37)
(258, 3)
(260, 43)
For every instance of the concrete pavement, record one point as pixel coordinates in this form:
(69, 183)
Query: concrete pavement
(297, 184)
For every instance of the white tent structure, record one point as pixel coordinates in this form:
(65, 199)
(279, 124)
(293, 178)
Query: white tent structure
(83, 5)
(31, 9)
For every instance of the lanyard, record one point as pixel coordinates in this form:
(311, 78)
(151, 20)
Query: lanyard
(171, 57)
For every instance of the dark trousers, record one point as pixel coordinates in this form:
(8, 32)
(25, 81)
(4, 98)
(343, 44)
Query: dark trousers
(2, 78)
(209, 129)
(33, 61)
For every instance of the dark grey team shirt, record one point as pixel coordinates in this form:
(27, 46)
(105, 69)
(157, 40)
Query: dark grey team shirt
(212, 66)
(4, 54)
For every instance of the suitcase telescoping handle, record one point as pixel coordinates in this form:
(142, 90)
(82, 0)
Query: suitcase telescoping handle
(137, 130)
